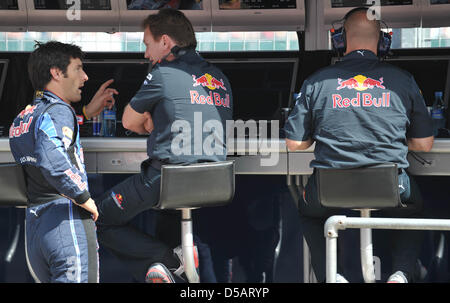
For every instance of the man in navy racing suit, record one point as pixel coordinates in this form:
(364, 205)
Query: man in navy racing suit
(61, 242)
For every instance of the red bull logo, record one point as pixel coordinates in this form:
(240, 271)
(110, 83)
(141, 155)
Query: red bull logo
(76, 178)
(118, 199)
(208, 81)
(22, 128)
(360, 83)
(211, 99)
(362, 100)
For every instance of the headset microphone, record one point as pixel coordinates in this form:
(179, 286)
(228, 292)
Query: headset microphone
(176, 51)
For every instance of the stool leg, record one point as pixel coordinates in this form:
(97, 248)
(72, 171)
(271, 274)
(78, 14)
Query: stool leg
(187, 244)
(367, 265)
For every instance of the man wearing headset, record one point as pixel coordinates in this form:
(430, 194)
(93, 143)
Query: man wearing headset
(182, 92)
(359, 112)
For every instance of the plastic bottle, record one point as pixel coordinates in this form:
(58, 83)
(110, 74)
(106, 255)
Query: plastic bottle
(438, 113)
(109, 122)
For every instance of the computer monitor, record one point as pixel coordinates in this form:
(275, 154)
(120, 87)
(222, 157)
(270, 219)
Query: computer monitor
(128, 75)
(13, 16)
(133, 12)
(261, 86)
(73, 16)
(3, 71)
(431, 73)
(436, 13)
(396, 13)
(250, 15)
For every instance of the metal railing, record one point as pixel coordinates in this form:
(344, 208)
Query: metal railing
(336, 223)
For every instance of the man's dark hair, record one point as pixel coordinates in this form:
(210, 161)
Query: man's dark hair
(173, 23)
(46, 56)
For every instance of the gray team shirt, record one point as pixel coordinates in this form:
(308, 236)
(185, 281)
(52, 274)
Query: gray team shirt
(359, 111)
(190, 101)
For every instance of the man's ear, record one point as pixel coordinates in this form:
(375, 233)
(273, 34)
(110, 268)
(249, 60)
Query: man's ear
(56, 73)
(167, 41)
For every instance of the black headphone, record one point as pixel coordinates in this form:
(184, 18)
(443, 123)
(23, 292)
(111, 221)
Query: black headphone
(339, 43)
(176, 51)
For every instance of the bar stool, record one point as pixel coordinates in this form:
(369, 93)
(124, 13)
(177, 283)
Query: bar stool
(12, 185)
(13, 194)
(364, 189)
(187, 187)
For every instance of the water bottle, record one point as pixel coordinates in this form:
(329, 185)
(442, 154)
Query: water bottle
(438, 113)
(109, 122)
(96, 126)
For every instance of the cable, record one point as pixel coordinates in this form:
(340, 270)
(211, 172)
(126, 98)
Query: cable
(420, 159)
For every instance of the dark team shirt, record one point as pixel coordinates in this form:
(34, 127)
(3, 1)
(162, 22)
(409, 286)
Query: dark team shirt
(44, 139)
(359, 111)
(190, 101)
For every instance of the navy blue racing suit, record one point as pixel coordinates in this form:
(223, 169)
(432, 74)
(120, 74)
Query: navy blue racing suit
(61, 243)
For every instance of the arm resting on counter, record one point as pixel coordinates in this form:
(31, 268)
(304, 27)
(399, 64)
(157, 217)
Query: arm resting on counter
(420, 144)
(293, 145)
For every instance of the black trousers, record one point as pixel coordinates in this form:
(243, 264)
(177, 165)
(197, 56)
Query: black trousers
(117, 207)
(405, 244)
(132, 246)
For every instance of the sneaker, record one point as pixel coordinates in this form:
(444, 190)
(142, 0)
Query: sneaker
(397, 277)
(178, 253)
(340, 279)
(158, 273)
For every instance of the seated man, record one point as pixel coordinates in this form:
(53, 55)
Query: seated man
(352, 128)
(180, 92)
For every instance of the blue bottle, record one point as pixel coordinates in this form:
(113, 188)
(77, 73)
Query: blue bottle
(438, 113)
(109, 122)
(97, 126)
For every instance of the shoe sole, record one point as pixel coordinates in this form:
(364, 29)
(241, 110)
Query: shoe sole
(162, 274)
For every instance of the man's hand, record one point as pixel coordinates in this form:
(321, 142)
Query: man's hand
(90, 206)
(136, 122)
(103, 97)
(148, 125)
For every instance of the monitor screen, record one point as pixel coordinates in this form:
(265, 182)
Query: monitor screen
(128, 77)
(356, 3)
(439, 2)
(261, 87)
(3, 70)
(64, 5)
(157, 4)
(9, 4)
(430, 75)
(257, 4)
